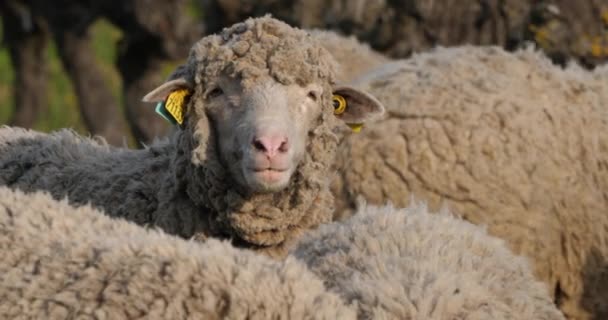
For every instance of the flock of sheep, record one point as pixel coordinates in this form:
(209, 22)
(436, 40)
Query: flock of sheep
(264, 158)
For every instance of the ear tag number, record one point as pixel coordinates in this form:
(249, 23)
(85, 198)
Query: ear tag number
(172, 109)
(339, 107)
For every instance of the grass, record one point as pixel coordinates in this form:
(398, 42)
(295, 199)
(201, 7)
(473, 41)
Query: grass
(6, 80)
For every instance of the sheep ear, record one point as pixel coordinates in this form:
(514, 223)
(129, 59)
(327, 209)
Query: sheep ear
(355, 107)
(162, 92)
(172, 98)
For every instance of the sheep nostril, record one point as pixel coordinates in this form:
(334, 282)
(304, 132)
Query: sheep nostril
(259, 145)
(284, 147)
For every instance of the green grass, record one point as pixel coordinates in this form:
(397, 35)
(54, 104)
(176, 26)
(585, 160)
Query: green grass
(62, 110)
(6, 80)
(105, 38)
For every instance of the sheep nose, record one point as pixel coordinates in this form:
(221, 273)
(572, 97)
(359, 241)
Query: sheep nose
(270, 145)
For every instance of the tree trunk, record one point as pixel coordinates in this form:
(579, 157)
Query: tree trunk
(141, 73)
(26, 41)
(155, 32)
(100, 111)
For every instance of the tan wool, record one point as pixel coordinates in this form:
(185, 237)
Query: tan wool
(505, 140)
(61, 262)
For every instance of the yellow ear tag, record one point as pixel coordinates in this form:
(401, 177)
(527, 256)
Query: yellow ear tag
(356, 127)
(339, 104)
(339, 108)
(176, 103)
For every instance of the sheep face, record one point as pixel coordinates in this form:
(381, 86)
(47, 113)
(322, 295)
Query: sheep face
(257, 94)
(262, 129)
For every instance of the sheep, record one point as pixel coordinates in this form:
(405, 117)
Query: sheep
(250, 161)
(506, 140)
(355, 58)
(60, 262)
(412, 264)
(65, 262)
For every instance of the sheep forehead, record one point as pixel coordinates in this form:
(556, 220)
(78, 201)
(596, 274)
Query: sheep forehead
(262, 47)
(272, 95)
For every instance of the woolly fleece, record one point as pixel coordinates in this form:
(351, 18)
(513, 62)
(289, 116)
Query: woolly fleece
(180, 184)
(60, 262)
(65, 262)
(354, 57)
(506, 140)
(410, 264)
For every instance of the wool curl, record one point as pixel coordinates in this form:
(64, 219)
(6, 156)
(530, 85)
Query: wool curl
(262, 47)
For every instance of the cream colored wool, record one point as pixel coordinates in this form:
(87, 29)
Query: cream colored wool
(60, 262)
(507, 140)
(410, 264)
(354, 57)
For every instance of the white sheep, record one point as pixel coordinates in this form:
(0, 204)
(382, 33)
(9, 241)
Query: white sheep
(259, 127)
(411, 264)
(64, 262)
(507, 140)
(354, 57)
(60, 262)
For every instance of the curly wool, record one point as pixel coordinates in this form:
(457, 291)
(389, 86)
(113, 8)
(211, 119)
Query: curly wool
(261, 47)
(180, 183)
(61, 262)
(354, 57)
(249, 50)
(65, 262)
(412, 264)
(266, 222)
(507, 140)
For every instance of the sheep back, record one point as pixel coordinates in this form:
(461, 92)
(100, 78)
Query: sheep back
(411, 264)
(354, 57)
(64, 262)
(506, 140)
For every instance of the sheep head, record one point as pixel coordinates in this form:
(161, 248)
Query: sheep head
(262, 88)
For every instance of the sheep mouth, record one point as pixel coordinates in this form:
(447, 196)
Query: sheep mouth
(269, 174)
(269, 169)
(268, 179)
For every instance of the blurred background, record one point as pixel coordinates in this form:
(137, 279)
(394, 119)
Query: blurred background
(85, 64)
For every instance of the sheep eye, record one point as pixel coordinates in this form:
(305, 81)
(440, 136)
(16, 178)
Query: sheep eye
(216, 92)
(313, 95)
